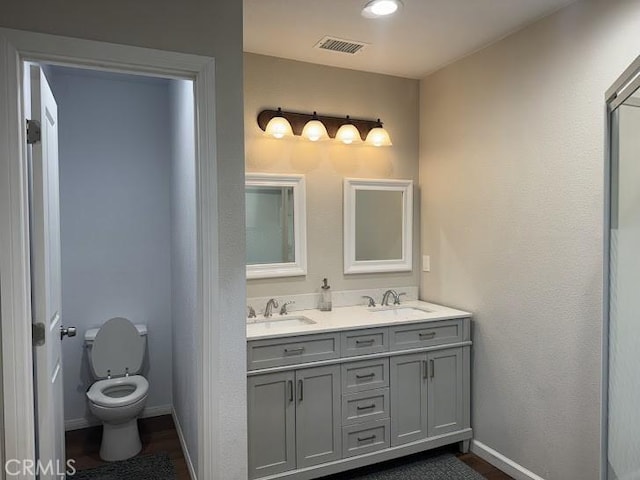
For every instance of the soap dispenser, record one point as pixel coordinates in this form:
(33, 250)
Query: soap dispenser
(325, 297)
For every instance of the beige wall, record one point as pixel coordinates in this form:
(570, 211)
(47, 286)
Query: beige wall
(273, 82)
(511, 169)
(212, 28)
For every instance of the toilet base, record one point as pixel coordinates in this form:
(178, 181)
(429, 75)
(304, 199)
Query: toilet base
(120, 441)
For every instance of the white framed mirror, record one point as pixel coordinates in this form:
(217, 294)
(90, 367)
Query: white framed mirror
(378, 225)
(276, 229)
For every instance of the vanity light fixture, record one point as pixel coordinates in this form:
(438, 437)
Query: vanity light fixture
(378, 136)
(348, 133)
(381, 8)
(315, 130)
(278, 126)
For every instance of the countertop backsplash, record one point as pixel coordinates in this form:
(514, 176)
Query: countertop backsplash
(343, 298)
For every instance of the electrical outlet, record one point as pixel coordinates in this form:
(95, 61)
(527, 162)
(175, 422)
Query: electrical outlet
(426, 263)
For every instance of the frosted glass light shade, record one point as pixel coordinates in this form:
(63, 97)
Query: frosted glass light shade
(278, 127)
(315, 130)
(348, 134)
(378, 137)
(381, 8)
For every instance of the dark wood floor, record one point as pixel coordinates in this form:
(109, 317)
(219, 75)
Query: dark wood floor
(482, 467)
(158, 434)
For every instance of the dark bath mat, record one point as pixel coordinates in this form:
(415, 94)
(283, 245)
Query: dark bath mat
(147, 467)
(442, 467)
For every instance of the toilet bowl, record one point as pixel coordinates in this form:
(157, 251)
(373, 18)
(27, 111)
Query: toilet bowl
(119, 396)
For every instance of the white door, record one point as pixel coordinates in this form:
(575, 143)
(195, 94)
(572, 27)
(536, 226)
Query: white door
(45, 280)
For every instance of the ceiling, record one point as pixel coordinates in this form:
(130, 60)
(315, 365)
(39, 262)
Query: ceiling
(422, 37)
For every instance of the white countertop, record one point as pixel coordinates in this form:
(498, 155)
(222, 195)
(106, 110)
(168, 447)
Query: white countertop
(349, 318)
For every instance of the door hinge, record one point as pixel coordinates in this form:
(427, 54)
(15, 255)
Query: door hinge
(38, 334)
(34, 132)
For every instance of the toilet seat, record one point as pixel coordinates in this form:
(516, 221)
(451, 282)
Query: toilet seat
(99, 391)
(118, 349)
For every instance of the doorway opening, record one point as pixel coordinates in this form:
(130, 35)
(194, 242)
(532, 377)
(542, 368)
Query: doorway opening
(126, 246)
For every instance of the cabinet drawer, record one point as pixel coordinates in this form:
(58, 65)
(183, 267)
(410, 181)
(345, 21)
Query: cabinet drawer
(364, 342)
(425, 334)
(365, 406)
(289, 351)
(365, 438)
(365, 375)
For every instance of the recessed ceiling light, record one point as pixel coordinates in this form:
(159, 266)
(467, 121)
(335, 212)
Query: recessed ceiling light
(381, 8)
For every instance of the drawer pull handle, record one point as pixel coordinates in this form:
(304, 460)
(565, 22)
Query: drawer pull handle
(428, 335)
(294, 351)
(365, 342)
(367, 439)
(366, 407)
(368, 375)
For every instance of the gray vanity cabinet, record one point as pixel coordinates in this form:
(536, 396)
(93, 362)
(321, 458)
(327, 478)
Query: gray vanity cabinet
(271, 421)
(294, 419)
(427, 397)
(445, 391)
(408, 398)
(328, 402)
(318, 415)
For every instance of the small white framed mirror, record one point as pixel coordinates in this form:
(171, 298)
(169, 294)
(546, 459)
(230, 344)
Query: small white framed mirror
(276, 229)
(378, 225)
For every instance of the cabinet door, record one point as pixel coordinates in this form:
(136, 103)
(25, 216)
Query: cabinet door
(408, 398)
(271, 422)
(445, 391)
(318, 416)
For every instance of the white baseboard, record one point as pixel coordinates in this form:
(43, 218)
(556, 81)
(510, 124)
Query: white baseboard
(84, 422)
(505, 464)
(183, 444)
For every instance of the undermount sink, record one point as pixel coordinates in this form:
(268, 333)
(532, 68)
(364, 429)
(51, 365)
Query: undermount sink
(400, 312)
(283, 322)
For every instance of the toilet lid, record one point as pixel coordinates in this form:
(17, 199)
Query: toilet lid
(118, 348)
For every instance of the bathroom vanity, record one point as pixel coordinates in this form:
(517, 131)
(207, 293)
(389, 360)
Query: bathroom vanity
(333, 391)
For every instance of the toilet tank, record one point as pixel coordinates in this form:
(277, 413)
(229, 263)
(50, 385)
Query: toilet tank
(90, 336)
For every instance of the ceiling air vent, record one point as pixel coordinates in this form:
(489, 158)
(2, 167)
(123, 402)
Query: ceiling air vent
(340, 45)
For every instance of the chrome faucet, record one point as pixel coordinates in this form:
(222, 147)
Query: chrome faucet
(252, 312)
(271, 304)
(283, 310)
(396, 297)
(370, 301)
(385, 297)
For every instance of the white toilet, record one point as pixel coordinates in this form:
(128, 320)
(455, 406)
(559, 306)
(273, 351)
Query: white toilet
(116, 351)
